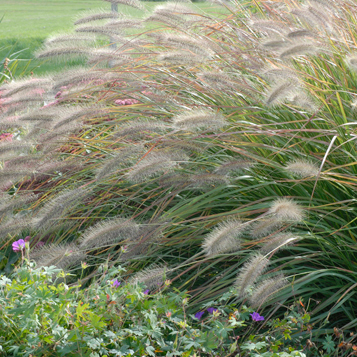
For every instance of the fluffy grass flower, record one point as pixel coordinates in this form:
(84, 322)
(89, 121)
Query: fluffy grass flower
(286, 210)
(224, 238)
(250, 272)
(199, 119)
(302, 168)
(266, 290)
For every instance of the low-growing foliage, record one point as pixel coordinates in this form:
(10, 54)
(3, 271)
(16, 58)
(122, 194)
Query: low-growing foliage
(114, 318)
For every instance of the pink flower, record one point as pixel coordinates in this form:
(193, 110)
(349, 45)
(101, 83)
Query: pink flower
(19, 245)
(6, 136)
(115, 283)
(126, 101)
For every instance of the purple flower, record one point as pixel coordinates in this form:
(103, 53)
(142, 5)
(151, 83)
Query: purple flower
(19, 245)
(199, 314)
(146, 292)
(257, 317)
(115, 283)
(211, 310)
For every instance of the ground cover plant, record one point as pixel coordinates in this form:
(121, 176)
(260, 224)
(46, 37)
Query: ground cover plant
(217, 153)
(113, 318)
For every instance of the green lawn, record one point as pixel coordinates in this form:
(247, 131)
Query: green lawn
(26, 23)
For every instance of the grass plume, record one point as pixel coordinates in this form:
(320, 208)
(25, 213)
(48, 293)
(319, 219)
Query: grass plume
(224, 238)
(277, 242)
(266, 290)
(109, 232)
(152, 165)
(302, 168)
(57, 207)
(152, 277)
(199, 120)
(250, 272)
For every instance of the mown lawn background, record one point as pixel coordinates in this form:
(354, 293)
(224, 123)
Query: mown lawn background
(26, 24)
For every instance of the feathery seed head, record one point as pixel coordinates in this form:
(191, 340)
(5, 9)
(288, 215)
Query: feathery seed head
(277, 242)
(55, 138)
(279, 92)
(174, 179)
(80, 75)
(133, 3)
(223, 238)
(265, 226)
(303, 101)
(46, 114)
(11, 203)
(205, 181)
(140, 128)
(351, 61)
(275, 44)
(125, 24)
(306, 17)
(250, 272)
(149, 233)
(178, 144)
(199, 119)
(323, 17)
(13, 226)
(25, 84)
(102, 30)
(152, 165)
(120, 159)
(15, 148)
(62, 52)
(107, 54)
(63, 256)
(230, 167)
(79, 112)
(152, 277)
(181, 58)
(286, 210)
(166, 17)
(95, 16)
(186, 42)
(302, 168)
(300, 49)
(24, 161)
(109, 232)
(55, 208)
(15, 175)
(269, 26)
(218, 80)
(266, 290)
(69, 38)
(301, 33)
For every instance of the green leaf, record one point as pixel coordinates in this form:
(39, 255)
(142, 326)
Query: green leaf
(95, 321)
(150, 350)
(328, 344)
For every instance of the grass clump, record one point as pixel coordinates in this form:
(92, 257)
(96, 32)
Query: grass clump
(273, 151)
